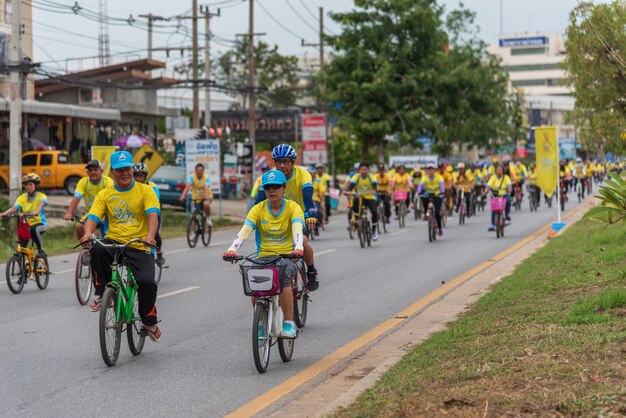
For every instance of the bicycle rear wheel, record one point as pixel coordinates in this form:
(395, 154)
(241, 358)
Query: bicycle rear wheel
(301, 299)
(83, 282)
(110, 329)
(42, 272)
(192, 232)
(285, 348)
(136, 339)
(261, 343)
(16, 276)
(206, 232)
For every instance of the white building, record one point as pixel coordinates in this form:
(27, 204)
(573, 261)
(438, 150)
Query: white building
(533, 62)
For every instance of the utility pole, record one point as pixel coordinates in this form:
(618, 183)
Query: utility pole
(207, 63)
(151, 18)
(321, 39)
(195, 115)
(15, 118)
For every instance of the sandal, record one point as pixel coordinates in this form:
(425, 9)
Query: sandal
(155, 335)
(96, 305)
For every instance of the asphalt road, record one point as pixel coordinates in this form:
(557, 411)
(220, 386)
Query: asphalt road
(51, 364)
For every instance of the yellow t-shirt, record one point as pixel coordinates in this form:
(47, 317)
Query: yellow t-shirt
(199, 185)
(325, 180)
(86, 190)
(26, 205)
(383, 183)
(499, 185)
(126, 212)
(364, 186)
(433, 186)
(274, 234)
(447, 180)
(401, 182)
(300, 179)
(532, 177)
(319, 190)
(464, 182)
(589, 170)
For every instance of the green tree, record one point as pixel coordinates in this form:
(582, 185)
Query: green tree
(596, 69)
(400, 68)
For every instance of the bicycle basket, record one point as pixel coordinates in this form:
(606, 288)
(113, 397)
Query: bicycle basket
(400, 195)
(497, 204)
(259, 281)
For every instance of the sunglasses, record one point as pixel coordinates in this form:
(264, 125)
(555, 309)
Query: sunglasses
(272, 186)
(283, 161)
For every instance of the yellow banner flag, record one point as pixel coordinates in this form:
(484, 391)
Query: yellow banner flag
(103, 153)
(547, 158)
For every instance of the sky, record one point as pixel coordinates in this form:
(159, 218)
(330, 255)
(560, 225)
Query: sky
(60, 35)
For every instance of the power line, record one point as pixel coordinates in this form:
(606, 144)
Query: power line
(286, 29)
(300, 16)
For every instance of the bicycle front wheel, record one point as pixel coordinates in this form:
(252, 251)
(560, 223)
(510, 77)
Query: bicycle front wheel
(16, 276)
(192, 232)
(136, 339)
(110, 329)
(82, 279)
(158, 271)
(42, 272)
(361, 234)
(301, 300)
(261, 340)
(206, 232)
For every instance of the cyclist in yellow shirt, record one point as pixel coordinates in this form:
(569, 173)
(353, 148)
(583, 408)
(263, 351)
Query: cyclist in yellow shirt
(533, 189)
(32, 202)
(279, 225)
(257, 183)
(463, 183)
(201, 195)
(500, 185)
(432, 187)
(132, 211)
(446, 174)
(87, 189)
(325, 180)
(402, 182)
(364, 184)
(589, 169)
(383, 187)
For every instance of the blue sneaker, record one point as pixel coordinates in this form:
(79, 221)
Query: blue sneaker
(289, 330)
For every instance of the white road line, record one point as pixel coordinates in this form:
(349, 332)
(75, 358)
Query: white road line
(64, 271)
(182, 250)
(324, 252)
(219, 244)
(177, 292)
(402, 231)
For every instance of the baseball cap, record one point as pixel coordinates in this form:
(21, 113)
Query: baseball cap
(430, 165)
(95, 163)
(273, 177)
(121, 159)
(319, 165)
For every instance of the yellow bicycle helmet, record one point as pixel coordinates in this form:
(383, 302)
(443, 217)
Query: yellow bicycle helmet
(31, 177)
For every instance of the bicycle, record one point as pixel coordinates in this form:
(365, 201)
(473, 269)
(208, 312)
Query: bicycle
(197, 227)
(563, 196)
(432, 220)
(518, 196)
(498, 205)
(417, 207)
(462, 209)
(25, 265)
(382, 219)
(83, 280)
(261, 280)
(399, 197)
(533, 199)
(361, 224)
(119, 306)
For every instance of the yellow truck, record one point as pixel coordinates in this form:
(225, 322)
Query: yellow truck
(53, 167)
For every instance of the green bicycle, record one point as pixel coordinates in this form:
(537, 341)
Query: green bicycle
(119, 310)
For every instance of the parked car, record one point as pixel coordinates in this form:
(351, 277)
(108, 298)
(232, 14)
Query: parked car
(170, 180)
(53, 167)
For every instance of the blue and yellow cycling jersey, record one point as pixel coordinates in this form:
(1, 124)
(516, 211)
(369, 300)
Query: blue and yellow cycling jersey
(126, 211)
(28, 205)
(200, 186)
(274, 234)
(433, 185)
(87, 190)
(364, 186)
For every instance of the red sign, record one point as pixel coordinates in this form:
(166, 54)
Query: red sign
(314, 138)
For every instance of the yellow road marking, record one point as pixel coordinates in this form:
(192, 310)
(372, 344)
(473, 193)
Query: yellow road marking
(268, 398)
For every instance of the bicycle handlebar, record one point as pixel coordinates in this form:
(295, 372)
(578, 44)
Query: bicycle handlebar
(261, 263)
(114, 245)
(19, 215)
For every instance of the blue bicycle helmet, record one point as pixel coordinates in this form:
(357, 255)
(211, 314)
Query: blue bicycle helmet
(284, 151)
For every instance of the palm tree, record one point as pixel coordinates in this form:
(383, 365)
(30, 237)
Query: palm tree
(612, 207)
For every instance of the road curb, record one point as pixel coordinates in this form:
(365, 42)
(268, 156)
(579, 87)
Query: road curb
(338, 378)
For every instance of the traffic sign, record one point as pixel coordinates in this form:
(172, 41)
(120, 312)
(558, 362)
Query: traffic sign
(147, 155)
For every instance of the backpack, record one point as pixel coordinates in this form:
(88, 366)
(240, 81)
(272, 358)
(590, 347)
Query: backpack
(23, 230)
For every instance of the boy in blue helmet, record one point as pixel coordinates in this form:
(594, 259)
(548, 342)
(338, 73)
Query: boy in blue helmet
(299, 188)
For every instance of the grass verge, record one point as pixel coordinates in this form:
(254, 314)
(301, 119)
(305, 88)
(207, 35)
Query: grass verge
(549, 340)
(61, 239)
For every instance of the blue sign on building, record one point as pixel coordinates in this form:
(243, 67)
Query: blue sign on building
(528, 41)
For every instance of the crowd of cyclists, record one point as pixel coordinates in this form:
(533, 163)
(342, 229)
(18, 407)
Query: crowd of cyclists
(291, 203)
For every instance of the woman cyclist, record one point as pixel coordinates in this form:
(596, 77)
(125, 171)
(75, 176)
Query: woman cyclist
(279, 225)
(32, 202)
(140, 174)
